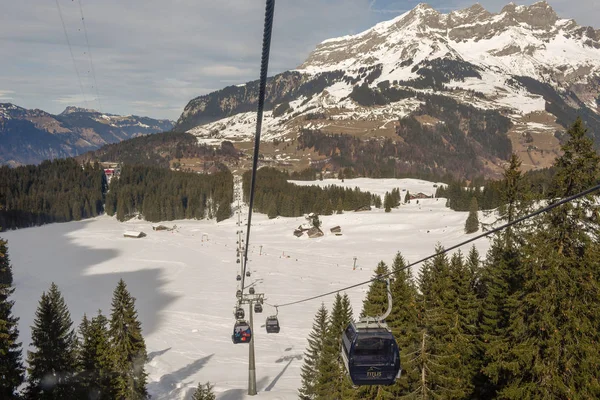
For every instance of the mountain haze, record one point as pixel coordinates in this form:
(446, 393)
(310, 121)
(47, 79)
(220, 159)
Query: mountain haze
(432, 90)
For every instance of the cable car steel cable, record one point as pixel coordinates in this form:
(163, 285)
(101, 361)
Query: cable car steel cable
(266, 49)
(488, 233)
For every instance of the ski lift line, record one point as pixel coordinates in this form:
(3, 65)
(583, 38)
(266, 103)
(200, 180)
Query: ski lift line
(71, 51)
(266, 49)
(87, 42)
(456, 246)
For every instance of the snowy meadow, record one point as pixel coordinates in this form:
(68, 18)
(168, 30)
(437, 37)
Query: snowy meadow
(184, 281)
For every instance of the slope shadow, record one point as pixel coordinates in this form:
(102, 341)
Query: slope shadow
(154, 354)
(274, 382)
(289, 358)
(239, 394)
(171, 386)
(50, 253)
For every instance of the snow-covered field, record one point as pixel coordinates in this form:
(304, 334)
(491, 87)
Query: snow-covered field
(185, 284)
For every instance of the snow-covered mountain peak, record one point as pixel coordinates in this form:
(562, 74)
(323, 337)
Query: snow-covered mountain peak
(519, 40)
(468, 15)
(539, 15)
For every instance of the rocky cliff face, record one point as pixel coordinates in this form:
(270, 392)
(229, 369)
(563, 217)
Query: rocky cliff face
(31, 136)
(524, 63)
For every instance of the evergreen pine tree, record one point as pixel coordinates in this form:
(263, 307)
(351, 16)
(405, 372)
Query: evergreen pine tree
(11, 365)
(53, 363)
(407, 197)
(404, 321)
(554, 332)
(333, 382)
(387, 202)
(472, 224)
(316, 342)
(340, 207)
(204, 392)
(128, 346)
(466, 315)
(96, 358)
(448, 349)
(224, 210)
(500, 280)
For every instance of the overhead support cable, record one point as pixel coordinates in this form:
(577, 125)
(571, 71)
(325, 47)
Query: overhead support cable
(89, 51)
(266, 49)
(71, 51)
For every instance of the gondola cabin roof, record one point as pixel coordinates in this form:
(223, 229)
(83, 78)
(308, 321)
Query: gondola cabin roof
(371, 326)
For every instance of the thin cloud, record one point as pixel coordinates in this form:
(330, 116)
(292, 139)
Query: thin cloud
(5, 95)
(168, 53)
(225, 71)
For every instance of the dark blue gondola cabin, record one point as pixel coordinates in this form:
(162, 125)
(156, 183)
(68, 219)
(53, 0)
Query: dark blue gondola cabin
(272, 324)
(370, 354)
(241, 332)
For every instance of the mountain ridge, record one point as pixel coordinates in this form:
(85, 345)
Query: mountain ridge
(524, 62)
(31, 136)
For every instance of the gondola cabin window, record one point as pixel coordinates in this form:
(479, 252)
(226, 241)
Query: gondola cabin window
(373, 351)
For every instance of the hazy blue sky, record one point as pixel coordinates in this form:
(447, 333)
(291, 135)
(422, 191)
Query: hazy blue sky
(151, 57)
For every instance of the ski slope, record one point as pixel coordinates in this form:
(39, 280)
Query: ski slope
(184, 282)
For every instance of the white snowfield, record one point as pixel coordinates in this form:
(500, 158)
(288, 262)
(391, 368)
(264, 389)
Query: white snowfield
(184, 282)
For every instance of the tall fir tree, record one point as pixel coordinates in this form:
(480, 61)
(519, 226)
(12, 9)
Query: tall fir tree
(128, 345)
(472, 223)
(96, 358)
(446, 341)
(204, 392)
(312, 357)
(11, 365)
(554, 332)
(466, 315)
(387, 202)
(53, 363)
(404, 323)
(333, 382)
(500, 279)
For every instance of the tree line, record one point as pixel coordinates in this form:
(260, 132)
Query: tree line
(159, 194)
(519, 323)
(275, 196)
(488, 193)
(64, 190)
(53, 191)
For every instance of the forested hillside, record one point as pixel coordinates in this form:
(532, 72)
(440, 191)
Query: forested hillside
(54, 191)
(160, 150)
(455, 140)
